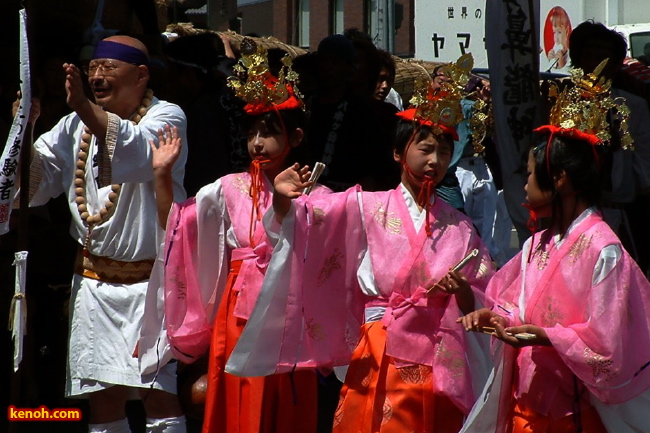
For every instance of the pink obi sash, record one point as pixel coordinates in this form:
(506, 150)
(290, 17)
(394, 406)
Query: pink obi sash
(251, 274)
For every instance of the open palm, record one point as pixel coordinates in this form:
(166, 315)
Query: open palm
(169, 147)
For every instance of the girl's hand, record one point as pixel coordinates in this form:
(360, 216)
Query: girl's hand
(537, 335)
(291, 182)
(455, 283)
(169, 147)
(478, 319)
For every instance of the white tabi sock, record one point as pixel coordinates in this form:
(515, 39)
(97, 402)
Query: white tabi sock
(166, 425)
(119, 426)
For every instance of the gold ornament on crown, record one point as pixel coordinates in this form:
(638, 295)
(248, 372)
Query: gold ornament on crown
(442, 106)
(482, 121)
(586, 104)
(481, 124)
(254, 82)
(107, 211)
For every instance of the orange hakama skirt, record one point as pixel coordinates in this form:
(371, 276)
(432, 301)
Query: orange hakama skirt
(525, 420)
(279, 403)
(378, 397)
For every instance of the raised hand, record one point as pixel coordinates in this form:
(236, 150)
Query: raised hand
(76, 97)
(34, 112)
(291, 182)
(288, 185)
(169, 147)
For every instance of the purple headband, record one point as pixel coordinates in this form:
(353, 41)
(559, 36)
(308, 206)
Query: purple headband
(117, 51)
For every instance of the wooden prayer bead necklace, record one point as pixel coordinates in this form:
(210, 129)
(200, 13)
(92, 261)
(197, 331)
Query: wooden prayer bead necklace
(107, 211)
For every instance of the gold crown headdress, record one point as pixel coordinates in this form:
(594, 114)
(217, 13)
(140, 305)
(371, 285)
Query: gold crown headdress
(258, 87)
(583, 109)
(482, 118)
(440, 109)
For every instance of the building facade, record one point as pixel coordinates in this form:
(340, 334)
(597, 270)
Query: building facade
(305, 23)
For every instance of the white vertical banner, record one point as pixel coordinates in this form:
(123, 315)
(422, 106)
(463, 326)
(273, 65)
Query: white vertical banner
(9, 164)
(18, 308)
(10, 159)
(513, 54)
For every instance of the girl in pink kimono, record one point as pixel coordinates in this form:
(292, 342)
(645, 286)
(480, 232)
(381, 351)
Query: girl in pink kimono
(218, 250)
(580, 299)
(363, 278)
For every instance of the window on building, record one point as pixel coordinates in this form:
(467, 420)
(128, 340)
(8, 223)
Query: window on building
(337, 15)
(303, 23)
(372, 17)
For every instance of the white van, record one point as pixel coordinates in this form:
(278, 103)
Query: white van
(636, 35)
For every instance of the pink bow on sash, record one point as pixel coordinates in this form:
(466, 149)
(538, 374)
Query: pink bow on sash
(415, 320)
(398, 304)
(251, 274)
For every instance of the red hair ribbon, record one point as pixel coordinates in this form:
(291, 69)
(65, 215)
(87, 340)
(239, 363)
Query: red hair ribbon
(410, 115)
(573, 133)
(291, 103)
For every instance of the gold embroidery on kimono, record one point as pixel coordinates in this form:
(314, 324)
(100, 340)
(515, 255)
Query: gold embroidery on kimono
(455, 362)
(579, 247)
(598, 363)
(319, 216)
(391, 224)
(415, 374)
(387, 412)
(242, 184)
(331, 264)
(422, 275)
(314, 330)
(182, 289)
(483, 268)
(541, 258)
(550, 314)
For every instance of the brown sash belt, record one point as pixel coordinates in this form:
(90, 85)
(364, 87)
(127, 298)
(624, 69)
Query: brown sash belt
(112, 271)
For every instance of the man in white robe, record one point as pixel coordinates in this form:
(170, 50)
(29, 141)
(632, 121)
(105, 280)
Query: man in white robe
(100, 157)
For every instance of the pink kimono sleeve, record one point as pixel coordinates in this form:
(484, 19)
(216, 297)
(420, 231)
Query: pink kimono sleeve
(610, 351)
(188, 328)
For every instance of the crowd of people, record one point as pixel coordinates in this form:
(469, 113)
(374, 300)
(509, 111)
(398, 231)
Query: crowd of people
(372, 293)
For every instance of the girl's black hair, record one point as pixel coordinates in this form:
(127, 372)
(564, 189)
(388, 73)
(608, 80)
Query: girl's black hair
(404, 131)
(582, 164)
(291, 119)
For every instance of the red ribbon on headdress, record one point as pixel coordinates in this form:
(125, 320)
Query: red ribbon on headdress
(569, 133)
(411, 115)
(573, 133)
(291, 103)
